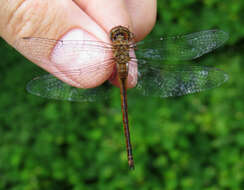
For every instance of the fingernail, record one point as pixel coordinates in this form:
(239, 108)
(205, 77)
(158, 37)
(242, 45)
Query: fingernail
(72, 47)
(79, 53)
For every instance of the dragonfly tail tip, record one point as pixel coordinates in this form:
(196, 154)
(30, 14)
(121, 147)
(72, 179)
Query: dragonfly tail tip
(131, 165)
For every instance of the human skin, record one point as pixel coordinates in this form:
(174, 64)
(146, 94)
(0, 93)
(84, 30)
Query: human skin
(58, 19)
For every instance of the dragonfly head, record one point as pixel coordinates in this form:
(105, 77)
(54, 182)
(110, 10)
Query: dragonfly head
(121, 33)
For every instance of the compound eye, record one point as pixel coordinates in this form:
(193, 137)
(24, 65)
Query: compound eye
(114, 36)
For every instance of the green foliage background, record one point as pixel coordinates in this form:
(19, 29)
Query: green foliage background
(190, 143)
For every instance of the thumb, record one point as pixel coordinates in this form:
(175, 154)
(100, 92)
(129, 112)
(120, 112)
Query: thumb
(57, 20)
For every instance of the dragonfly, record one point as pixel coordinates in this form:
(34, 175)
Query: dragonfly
(154, 77)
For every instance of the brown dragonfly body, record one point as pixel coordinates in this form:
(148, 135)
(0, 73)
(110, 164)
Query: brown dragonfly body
(121, 39)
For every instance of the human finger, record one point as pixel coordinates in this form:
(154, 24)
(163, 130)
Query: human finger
(55, 20)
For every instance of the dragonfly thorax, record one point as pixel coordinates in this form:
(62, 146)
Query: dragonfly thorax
(121, 57)
(121, 39)
(121, 54)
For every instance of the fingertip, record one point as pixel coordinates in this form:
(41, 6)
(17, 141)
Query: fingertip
(68, 17)
(143, 15)
(107, 13)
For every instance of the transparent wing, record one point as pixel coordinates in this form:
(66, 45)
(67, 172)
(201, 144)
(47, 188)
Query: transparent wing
(185, 47)
(80, 62)
(165, 81)
(48, 86)
(177, 80)
(41, 49)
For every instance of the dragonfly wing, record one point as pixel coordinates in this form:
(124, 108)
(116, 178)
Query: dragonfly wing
(177, 80)
(42, 50)
(185, 47)
(48, 86)
(91, 59)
